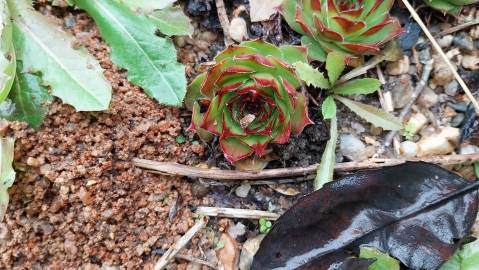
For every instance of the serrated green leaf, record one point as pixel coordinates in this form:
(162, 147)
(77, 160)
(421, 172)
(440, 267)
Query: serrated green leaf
(466, 258)
(7, 52)
(7, 174)
(311, 76)
(377, 117)
(26, 101)
(150, 60)
(146, 6)
(335, 65)
(383, 261)
(325, 171)
(74, 75)
(172, 21)
(359, 86)
(328, 108)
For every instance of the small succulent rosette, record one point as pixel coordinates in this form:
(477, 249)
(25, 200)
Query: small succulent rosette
(449, 6)
(354, 28)
(249, 99)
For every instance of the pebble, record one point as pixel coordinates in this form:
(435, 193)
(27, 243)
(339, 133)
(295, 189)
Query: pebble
(243, 190)
(441, 74)
(464, 41)
(470, 62)
(352, 147)
(238, 29)
(457, 120)
(239, 229)
(398, 67)
(199, 189)
(428, 98)
(249, 249)
(416, 122)
(408, 149)
(358, 127)
(451, 88)
(439, 143)
(445, 41)
(401, 90)
(31, 161)
(468, 149)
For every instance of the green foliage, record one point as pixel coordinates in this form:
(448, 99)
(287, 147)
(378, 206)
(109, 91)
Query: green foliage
(172, 21)
(264, 225)
(28, 99)
(147, 6)
(466, 258)
(151, 61)
(449, 6)
(334, 87)
(7, 52)
(383, 261)
(325, 171)
(350, 27)
(73, 75)
(250, 99)
(180, 139)
(7, 174)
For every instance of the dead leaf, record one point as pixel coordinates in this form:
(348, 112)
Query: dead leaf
(261, 10)
(285, 189)
(229, 254)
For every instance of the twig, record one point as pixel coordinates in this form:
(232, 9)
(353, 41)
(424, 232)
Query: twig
(188, 258)
(362, 69)
(457, 28)
(442, 54)
(172, 168)
(224, 21)
(180, 244)
(235, 213)
(406, 109)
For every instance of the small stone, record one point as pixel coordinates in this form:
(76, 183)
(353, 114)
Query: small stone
(199, 189)
(401, 90)
(451, 88)
(416, 122)
(457, 120)
(45, 169)
(470, 62)
(358, 127)
(352, 148)
(441, 74)
(70, 247)
(239, 229)
(428, 98)
(249, 249)
(468, 149)
(238, 29)
(243, 190)
(85, 196)
(31, 161)
(408, 149)
(464, 41)
(445, 41)
(439, 143)
(398, 67)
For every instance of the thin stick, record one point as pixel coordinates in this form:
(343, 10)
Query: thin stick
(172, 168)
(180, 244)
(362, 69)
(442, 54)
(189, 258)
(236, 213)
(224, 21)
(420, 86)
(458, 28)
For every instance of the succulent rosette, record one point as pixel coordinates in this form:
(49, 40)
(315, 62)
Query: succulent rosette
(249, 98)
(449, 6)
(357, 27)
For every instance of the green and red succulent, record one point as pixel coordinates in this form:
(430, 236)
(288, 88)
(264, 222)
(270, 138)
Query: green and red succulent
(357, 27)
(449, 6)
(249, 99)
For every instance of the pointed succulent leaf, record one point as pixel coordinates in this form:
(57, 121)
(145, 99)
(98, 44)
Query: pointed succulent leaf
(335, 64)
(196, 120)
(74, 75)
(315, 51)
(250, 98)
(328, 109)
(449, 6)
(311, 76)
(359, 86)
(377, 117)
(151, 61)
(7, 52)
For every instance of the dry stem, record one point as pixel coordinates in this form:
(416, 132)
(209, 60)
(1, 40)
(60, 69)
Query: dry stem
(224, 21)
(235, 213)
(172, 168)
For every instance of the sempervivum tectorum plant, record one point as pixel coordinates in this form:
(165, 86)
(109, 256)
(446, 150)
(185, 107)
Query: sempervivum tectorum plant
(249, 99)
(449, 6)
(356, 27)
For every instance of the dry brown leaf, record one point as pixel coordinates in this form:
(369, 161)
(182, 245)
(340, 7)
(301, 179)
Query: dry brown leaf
(229, 254)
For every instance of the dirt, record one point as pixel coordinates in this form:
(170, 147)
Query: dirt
(77, 200)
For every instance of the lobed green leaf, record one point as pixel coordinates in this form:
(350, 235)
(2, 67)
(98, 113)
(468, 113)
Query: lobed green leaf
(328, 109)
(359, 86)
(335, 64)
(311, 76)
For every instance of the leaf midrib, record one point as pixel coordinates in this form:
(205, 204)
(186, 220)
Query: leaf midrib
(115, 20)
(26, 29)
